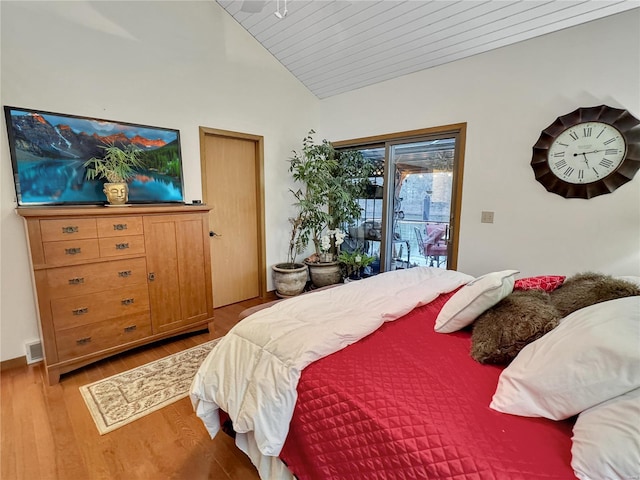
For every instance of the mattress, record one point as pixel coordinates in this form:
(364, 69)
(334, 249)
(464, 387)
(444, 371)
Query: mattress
(408, 403)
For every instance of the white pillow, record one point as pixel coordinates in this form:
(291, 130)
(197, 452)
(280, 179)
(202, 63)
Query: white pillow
(590, 357)
(606, 440)
(473, 299)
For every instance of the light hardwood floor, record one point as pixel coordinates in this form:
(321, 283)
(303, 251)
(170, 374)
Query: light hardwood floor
(48, 433)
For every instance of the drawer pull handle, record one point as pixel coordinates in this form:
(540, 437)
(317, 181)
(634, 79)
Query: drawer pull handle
(80, 311)
(124, 273)
(127, 301)
(83, 340)
(76, 281)
(69, 229)
(122, 246)
(130, 328)
(120, 226)
(72, 251)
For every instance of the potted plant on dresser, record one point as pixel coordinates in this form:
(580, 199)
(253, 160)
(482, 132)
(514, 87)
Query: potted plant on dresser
(291, 277)
(331, 182)
(117, 166)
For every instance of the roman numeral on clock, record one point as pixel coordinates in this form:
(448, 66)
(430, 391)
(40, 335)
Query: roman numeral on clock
(574, 135)
(607, 142)
(606, 163)
(586, 132)
(611, 151)
(560, 164)
(568, 171)
(580, 174)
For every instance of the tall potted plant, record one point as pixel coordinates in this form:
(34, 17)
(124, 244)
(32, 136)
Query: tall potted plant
(331, 182)
(117, 166)
(290, 277)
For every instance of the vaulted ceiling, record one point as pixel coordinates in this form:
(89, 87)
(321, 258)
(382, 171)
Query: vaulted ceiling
(335, 46)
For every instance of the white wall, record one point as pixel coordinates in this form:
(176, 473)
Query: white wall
(186, 64)
(169, 64)
(507, 97)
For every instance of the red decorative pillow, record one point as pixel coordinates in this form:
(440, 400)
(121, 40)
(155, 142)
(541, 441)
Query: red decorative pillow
(548, 283)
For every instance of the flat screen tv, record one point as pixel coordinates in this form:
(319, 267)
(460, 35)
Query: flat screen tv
(49, 150)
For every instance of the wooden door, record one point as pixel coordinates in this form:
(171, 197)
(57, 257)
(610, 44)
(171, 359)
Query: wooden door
(232, 185)
(178, 270)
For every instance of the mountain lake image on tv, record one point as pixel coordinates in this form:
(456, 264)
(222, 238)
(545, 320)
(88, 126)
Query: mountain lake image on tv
(49, 150)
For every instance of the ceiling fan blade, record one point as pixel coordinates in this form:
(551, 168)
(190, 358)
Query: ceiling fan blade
(252, 6)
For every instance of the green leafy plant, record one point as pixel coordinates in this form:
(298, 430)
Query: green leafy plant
(355, 261)
(117, 165)
(332, 181)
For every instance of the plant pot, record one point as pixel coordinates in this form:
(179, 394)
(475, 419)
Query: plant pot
(289, 279)
(355, 276)
(326, 257)
(325, 273)
(117, 193)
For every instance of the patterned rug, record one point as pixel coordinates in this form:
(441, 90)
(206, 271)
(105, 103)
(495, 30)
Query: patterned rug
(123, 398)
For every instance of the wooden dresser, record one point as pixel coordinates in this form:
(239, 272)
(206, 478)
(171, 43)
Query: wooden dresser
(110, 279)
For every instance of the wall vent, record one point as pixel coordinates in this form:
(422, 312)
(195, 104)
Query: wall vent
(34, 352)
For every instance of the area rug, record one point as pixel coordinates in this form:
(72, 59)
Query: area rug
(128, 396)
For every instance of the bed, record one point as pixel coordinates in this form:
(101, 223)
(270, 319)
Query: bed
(374, 380)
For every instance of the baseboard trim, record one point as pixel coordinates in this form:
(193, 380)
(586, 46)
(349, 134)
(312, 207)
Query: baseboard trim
(271, 295)
(13, 363)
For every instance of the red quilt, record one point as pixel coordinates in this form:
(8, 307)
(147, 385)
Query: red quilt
(409, 403)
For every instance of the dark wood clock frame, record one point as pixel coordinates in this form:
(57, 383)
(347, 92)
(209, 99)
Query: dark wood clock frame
(622, 120)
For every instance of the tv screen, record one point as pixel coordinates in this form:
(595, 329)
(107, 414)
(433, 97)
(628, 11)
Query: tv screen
(49, 150)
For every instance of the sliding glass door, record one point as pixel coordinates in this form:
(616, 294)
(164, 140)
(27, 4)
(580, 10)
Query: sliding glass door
(410, 213)
(420, 198)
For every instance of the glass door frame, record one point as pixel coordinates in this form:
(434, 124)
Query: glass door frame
(457, 131)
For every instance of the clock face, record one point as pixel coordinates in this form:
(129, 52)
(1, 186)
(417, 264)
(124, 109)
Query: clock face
(586, 152)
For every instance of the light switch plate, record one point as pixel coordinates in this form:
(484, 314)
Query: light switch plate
(486, 217)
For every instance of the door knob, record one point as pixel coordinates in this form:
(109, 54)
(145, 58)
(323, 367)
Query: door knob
(214, 234)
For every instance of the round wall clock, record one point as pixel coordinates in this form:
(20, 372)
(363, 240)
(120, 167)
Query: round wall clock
(588, 152)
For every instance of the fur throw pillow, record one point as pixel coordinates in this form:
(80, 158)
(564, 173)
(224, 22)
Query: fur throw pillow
(589, 288)
(506, 328)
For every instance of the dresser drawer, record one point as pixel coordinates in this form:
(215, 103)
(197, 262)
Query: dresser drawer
(119, 226)
(115, 246)
(86, 339)
(96, 277)
(85, 309)
(67, 229)
(70, 251)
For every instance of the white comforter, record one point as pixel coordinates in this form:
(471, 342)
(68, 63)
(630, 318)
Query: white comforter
(253, 372)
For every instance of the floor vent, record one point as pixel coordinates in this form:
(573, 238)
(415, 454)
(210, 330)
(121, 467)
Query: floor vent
(34, 352)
